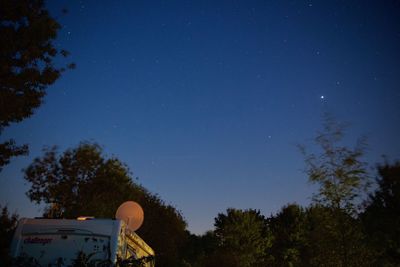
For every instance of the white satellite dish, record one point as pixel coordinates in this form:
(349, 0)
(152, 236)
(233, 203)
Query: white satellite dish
(131, 213)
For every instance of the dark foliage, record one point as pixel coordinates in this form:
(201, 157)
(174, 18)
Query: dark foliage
(82, 260)
(9, 149)
(337, 169)
(82, 181)
(25, 261)
(198, 249)
(327, 233)
(133, 262)
(164, 229)
(85, 260)
(334, 238)
(243, 233)
(382, 216)
(8, 223)
(289, 232)
(336, 234)
(27, 55)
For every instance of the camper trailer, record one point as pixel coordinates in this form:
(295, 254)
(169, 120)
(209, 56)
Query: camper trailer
(60, 242)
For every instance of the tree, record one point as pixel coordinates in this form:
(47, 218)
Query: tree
(342, 177)
(164, 229)
(198, 249)
(82, 181)
(382, 216)
(289, 236)
(27, 67)
(243, 235)
(8, 223)
(334, 238)
(337, 169)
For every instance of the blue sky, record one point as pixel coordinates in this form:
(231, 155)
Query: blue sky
(206, 101)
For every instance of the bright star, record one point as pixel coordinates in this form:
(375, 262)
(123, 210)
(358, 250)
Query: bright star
(322, 97)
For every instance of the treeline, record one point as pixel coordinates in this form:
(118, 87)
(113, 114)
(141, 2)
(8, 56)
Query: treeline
(83, 181)
(343, 226)
(307, 236)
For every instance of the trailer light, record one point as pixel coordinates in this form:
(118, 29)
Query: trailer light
(85, 218)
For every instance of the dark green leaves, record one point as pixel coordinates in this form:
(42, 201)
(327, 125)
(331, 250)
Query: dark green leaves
(27, 68)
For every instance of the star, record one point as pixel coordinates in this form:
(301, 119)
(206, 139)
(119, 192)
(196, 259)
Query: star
(322, 97)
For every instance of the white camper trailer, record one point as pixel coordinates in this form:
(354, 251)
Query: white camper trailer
(57, 242)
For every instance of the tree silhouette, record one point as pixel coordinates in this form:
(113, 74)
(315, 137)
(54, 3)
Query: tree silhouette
(382, 216)
(79, 182)
(337, 169)
(82, 181)
(27, 67)
(243, 235)
(8, 223)
(198, 249)
(342, 178)
(289, 236)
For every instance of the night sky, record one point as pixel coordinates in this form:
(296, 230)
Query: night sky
(206, 101)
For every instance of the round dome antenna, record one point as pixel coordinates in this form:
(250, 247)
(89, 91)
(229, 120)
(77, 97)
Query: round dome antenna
(131, 213)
